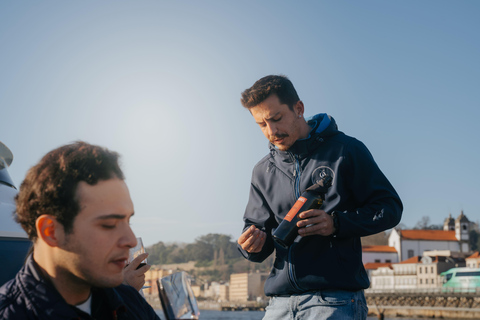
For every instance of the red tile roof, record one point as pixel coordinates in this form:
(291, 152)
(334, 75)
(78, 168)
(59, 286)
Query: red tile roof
(476, 255)
(415, 259)
(379, 249)
(376, 265)
(435, 235)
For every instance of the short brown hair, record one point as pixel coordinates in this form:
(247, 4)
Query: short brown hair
(49, 187)
(266, 86)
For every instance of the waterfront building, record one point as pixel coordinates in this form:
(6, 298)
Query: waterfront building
(405, 273)
(430, 268)
(410, 243)
(379, 254)
(247, 286)
(473, 261)
(216, 291)
(383, 278)
(419, 272)
(197, 290)
(372, 266)
(151, 276)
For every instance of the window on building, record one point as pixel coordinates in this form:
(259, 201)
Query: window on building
(377, 260)
(420, 281)
(388, 260)
(419, 270)
(426, 269)
(431, 270)
(410, 253)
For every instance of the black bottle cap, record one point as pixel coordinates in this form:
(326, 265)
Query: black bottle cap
(322, 186)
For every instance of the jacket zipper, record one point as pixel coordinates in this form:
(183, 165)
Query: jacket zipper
(296, 174)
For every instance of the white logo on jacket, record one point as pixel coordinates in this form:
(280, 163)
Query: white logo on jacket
(321, 172)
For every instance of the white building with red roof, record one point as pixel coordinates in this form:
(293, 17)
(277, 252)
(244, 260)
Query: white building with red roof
(473, 261)
(406, 273)
(383, 278)
(379, 254)
(411, 243)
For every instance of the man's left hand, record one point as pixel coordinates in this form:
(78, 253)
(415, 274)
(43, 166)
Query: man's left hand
(315, 221)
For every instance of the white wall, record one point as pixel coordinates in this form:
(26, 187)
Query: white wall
(419, 246)
(382, 256)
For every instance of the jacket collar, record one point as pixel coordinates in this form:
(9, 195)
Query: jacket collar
(323, 126)
(47, 301)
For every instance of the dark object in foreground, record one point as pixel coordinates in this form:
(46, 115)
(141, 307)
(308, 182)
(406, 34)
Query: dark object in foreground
(176, 297)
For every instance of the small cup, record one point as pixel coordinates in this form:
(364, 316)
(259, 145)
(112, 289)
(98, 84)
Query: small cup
(136, 251)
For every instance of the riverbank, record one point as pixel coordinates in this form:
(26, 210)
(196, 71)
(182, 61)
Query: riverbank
(424, 312)
(389, 312)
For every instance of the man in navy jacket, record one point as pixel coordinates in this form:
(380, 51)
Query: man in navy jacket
(75, 207)
(321, 275)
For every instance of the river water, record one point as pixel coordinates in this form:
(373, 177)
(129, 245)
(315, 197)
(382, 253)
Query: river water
(246, 315)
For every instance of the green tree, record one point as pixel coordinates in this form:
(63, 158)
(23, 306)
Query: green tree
(474, 237)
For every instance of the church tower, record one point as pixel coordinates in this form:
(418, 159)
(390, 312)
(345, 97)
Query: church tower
(462, 229)
(449, 224)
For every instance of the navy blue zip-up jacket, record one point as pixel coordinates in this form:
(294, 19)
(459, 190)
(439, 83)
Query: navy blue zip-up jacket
(29, 296)
(361, 196)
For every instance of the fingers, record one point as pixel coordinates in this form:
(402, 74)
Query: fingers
(135, 262)
(143, 269)
(252, 240)
(133, 276)
(246, 234)
(315, 222)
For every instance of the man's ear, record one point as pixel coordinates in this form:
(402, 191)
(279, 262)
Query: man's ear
(299, 108)
(48, 229)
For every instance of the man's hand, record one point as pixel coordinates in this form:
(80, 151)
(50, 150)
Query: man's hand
(134, 277)
(315, 221)
(252, 240)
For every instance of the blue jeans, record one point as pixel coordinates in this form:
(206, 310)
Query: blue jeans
(320, 305)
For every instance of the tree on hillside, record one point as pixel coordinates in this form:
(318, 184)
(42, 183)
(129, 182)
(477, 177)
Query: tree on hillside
(474, 237)
(220, 243)
(203, 250)
(159, 253)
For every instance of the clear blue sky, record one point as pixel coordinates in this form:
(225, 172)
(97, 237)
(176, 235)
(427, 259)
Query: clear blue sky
(160, 82)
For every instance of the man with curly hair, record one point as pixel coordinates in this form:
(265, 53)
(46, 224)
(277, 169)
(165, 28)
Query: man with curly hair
(75, 207)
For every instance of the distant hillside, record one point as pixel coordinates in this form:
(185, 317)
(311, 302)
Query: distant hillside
(379, 239)
(212, 257)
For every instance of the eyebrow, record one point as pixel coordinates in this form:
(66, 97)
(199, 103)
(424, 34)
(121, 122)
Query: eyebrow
(114, 216)
(269, 118)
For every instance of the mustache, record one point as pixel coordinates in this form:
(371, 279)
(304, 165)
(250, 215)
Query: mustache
(278, 136)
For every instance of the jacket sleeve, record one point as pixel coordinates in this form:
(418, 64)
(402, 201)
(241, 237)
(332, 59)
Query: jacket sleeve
(258, 213)
(378, 206)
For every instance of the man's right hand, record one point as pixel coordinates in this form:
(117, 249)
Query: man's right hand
(252, 240)
(136, 277)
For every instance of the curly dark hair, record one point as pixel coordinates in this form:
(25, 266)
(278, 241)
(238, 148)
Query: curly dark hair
(49, 187)
(266, 86)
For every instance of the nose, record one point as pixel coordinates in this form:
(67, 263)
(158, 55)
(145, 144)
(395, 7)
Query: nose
(271, 129)
(129, 239)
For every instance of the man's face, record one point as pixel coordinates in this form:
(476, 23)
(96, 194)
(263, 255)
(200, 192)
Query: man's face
(95, 252)
(280, 125)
